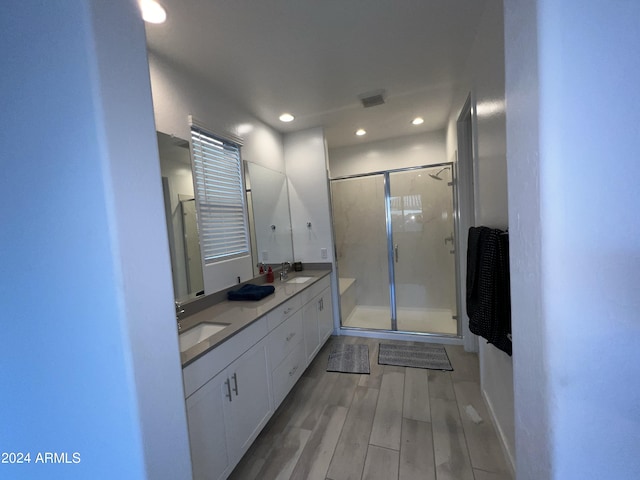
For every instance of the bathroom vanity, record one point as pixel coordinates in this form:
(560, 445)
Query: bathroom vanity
(237, 375)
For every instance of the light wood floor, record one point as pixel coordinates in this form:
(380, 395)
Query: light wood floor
(396, 423)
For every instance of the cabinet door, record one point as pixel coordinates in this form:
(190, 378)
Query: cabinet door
(310, 328)
(325, 316)
(207, 435)
(249, 407)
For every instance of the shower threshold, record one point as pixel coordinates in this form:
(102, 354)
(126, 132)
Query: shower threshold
(433, 320)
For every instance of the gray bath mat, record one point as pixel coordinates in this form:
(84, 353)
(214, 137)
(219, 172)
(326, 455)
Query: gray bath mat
(433, 357)
(349, 358)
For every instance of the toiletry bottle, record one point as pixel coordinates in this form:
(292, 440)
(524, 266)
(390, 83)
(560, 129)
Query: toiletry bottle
(261, 269)
(269, 275)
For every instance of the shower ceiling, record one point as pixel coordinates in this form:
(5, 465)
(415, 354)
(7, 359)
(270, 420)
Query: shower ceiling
(313, 59)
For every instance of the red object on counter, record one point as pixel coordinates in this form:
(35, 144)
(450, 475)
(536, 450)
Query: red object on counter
(270, 275)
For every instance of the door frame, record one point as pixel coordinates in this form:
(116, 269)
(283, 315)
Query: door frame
(466, 162)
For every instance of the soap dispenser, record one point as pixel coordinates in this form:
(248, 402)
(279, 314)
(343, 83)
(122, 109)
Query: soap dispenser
(269, 275)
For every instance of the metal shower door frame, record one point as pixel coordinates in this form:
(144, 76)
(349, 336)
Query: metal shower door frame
(392, 252)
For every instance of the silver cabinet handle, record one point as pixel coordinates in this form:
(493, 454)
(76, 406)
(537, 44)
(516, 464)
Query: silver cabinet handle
(395, 247)
(228, 394)
(293, 370)
(235, 383)
(290, 336)
(287, 310)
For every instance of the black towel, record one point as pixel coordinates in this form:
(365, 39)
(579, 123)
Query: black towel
(251, 292)
(488, 289)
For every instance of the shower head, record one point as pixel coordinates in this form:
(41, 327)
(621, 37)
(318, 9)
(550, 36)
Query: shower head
(437, 175)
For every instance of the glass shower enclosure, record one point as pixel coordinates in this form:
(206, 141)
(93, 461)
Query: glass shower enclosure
(395, 248)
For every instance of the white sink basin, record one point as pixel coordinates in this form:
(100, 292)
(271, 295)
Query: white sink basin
(198, 333)
(299, 280)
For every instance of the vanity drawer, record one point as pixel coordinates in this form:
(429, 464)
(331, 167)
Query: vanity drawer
(315, 289)
(284, 339)
(284, 311)
(287, 373)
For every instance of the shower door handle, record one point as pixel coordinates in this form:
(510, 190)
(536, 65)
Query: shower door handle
(395, 249)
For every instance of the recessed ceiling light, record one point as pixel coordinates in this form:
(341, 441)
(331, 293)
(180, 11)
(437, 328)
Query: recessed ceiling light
(286, 117)
(361, 131)
(417, 121)
(152, 11)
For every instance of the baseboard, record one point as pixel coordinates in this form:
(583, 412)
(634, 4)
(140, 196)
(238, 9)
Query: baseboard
(508, 454)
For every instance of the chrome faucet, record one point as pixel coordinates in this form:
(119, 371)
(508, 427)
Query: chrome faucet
(179, 311)
(284, 273)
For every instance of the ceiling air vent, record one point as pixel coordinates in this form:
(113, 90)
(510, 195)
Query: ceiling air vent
(372, 99)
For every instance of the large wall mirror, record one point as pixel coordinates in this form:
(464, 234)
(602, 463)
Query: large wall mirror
(180, 210)
(268, 199)
(267, 206)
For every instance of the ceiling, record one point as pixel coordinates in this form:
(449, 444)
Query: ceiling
(313, 58)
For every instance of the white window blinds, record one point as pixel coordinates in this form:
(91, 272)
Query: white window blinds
(220, 197)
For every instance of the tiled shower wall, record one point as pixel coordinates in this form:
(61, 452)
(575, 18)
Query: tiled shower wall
(361, 241)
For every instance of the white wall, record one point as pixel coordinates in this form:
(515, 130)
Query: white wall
(408, 151)
(178, 94)
(306, 161)
(573, 112)
(484, 80)
(90, 359)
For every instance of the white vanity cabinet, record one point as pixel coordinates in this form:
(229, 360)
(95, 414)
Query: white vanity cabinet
(247, 399)
(232, 390)
(226, 413)
(317, 317)
(207, 433)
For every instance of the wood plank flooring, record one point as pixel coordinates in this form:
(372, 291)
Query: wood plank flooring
(396, 423)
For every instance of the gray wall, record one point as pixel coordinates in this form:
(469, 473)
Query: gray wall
(90, 360)
(573, 123)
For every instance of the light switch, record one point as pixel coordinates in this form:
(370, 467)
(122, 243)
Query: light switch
(323, 252)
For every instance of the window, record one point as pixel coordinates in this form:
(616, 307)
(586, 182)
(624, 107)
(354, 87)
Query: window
(220, 197)
(407, 214)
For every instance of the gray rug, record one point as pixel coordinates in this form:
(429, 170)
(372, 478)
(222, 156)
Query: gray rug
(433, 357)
(349, 358)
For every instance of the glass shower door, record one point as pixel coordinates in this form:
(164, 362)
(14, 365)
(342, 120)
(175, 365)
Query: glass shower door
(422, 246)
(361, 251)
